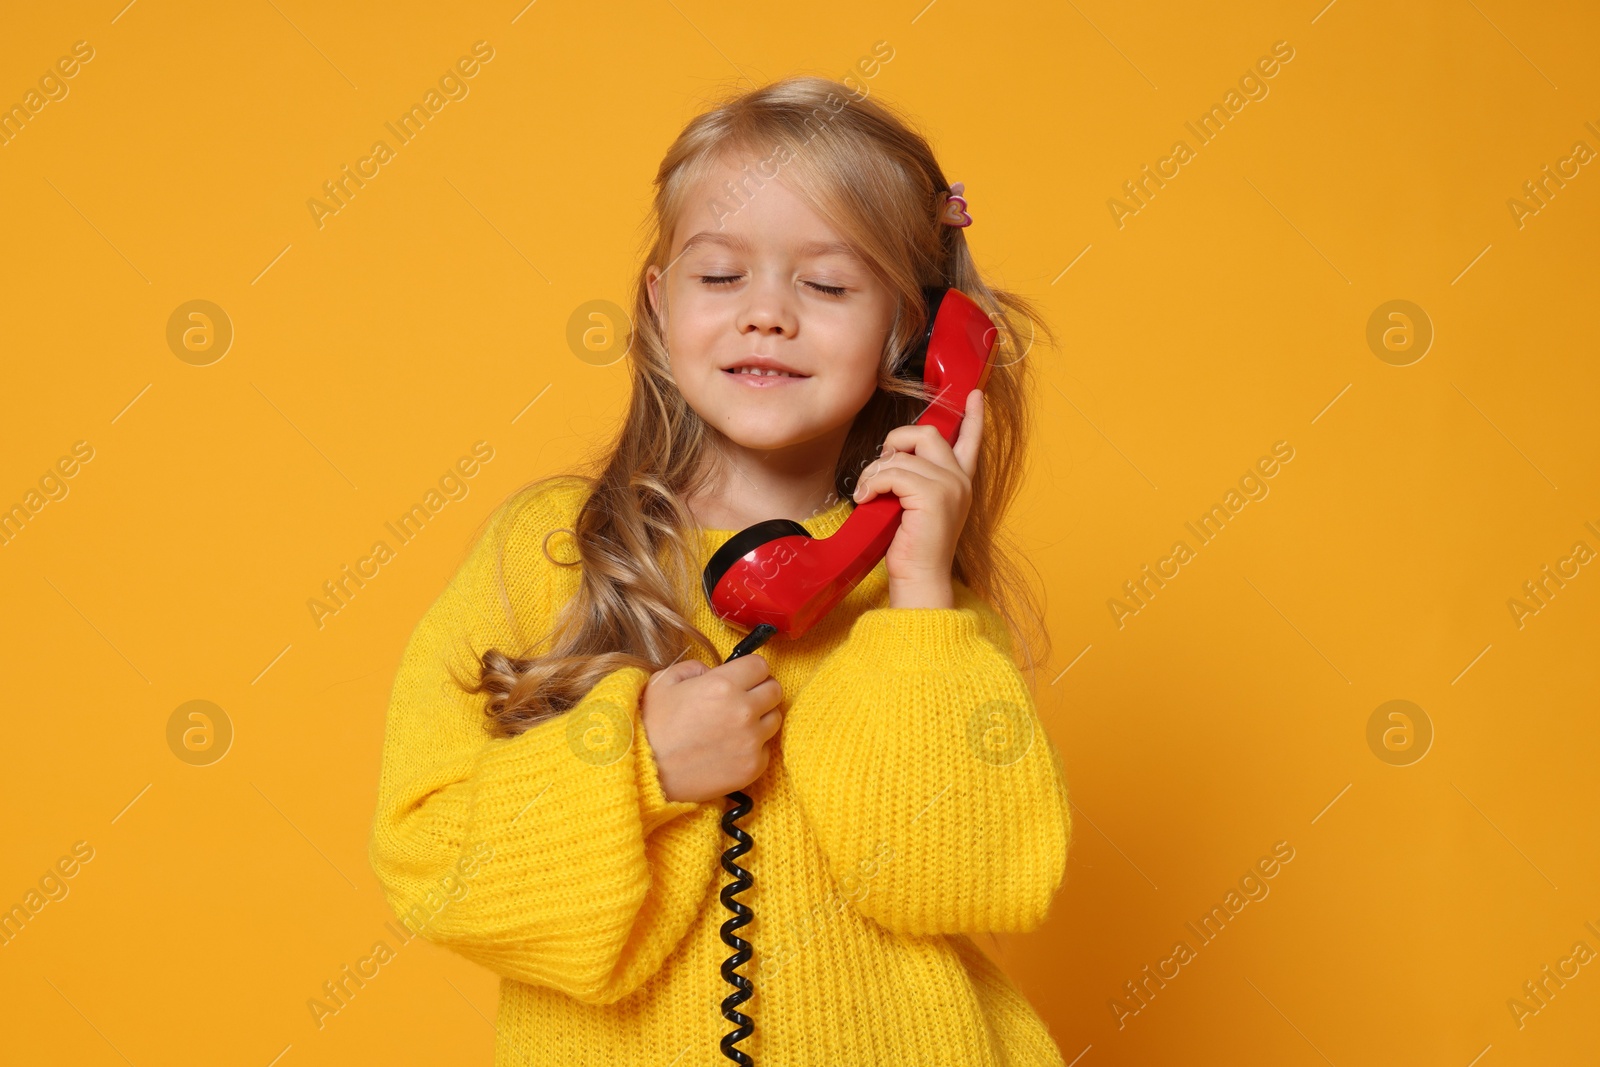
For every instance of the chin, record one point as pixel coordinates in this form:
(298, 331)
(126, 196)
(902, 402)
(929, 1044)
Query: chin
(767, 441)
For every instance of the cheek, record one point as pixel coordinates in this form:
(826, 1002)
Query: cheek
(862, 378)
(851, 375)
(692, 332)
(860, 345)
(696, 346)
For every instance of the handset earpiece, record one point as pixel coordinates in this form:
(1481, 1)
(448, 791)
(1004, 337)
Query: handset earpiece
(912, 367)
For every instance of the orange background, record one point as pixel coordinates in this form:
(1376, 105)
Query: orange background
(1229, 313)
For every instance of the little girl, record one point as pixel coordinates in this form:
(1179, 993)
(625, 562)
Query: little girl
(564, 727)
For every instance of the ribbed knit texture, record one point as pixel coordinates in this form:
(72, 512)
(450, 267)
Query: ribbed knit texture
(912, 798)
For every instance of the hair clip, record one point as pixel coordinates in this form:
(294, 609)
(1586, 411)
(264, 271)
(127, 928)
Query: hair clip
(954, 211)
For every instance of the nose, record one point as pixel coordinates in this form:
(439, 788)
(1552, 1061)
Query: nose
(768, 309)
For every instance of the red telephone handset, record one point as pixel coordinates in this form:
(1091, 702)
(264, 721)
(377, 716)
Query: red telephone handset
(774, 572)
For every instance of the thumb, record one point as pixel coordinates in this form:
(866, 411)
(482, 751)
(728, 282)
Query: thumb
(970, 434)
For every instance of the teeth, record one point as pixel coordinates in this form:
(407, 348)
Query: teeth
(766, 373)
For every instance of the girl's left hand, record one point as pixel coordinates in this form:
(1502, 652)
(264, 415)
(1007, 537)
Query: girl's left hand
(934, 483)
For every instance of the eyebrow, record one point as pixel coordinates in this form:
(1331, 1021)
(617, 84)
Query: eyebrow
(810, 248)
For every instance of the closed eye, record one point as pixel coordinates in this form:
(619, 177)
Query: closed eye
(728, 279)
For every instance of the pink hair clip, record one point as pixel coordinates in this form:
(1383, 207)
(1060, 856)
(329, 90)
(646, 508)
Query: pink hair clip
(954, 211)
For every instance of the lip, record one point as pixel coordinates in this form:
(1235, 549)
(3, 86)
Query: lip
(765, 363)
(762, 381)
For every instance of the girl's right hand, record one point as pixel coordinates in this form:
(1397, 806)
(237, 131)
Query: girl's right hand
(709, 726)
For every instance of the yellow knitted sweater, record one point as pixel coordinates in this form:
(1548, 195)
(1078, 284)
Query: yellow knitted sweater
(912, 798)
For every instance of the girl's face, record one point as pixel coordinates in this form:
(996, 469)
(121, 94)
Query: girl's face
(770, 278)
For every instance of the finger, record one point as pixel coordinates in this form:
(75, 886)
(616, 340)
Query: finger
(769, 724)
(910, 486)
(930, 468)
(945, 469)
(967, 441)
(679, 672)
(922, 440)
(747, 671)
(766, 696)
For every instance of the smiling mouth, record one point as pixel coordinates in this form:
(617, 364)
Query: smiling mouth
(756, 372)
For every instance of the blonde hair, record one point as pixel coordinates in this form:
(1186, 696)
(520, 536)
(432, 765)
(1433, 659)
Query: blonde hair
(863, 167)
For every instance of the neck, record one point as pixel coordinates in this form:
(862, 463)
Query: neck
(746, 485)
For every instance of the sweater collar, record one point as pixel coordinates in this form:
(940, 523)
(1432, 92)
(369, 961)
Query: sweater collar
(822, 524)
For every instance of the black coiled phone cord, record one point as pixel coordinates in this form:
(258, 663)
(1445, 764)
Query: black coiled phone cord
(743, 987)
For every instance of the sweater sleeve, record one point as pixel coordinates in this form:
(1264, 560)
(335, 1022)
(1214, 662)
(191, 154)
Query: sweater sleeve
(922, 767)
(553, 857)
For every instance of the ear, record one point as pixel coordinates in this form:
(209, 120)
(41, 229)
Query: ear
(652, 276)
